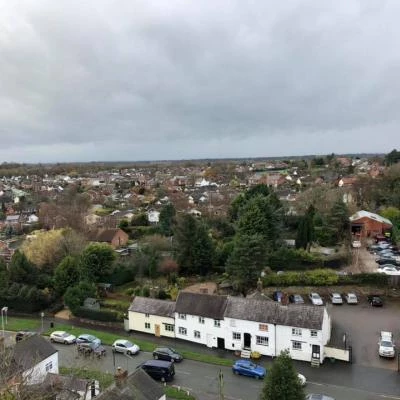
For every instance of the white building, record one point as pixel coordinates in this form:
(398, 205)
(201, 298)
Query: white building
(236, 323)
(153, 216)
(152, 316)
(200, 318)
(35, 357)
(269, 328)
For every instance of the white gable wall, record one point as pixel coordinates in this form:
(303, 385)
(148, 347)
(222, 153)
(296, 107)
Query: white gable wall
(137, 322)
(38, 373)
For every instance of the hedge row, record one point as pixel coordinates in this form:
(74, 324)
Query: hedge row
(323, 277)
(98, 315)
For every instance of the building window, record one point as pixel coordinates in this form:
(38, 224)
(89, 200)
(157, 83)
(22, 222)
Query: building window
(147, 325)
(314, 333)
(169, 327)
(296, 331)
(236, 336)
(197, 334)
(49, 366)
(263, 327)
(296, 345)
(201, 320)
(147, 315)
(262, 340)
(181, 316)
(182, 331)
(217, 323)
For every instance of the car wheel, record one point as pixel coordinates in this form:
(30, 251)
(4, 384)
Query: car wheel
(257, 377)
(51, 340)
(155, 356)
(66, 342)
(129, 353)
(236, 372)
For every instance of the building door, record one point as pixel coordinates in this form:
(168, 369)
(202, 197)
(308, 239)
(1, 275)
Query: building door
(157, 330)
(221, 343)
(247, 340)
(315, 351)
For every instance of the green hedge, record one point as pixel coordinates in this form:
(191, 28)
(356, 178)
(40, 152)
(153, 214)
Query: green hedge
(298, 259)
(323, 277)
(98, 315)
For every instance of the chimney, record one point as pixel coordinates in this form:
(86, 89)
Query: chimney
(120, 377)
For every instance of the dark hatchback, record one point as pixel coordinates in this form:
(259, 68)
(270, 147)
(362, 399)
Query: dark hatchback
(375, 301)
(163, 371)
(167, 354)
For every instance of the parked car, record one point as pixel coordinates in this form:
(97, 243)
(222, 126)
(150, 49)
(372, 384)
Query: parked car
(125, 346)
(351, 298)
(89, 348)
(167, 353)
(387, 260)
(315, 299)
(86, 338)
(336, 298)
(248, 368)
(62, 337)
(386, 345)
(277, 296)
(375, 301)
(20, 335)
(313, 396)
(392, 270)
(163, 371)
(296, 299)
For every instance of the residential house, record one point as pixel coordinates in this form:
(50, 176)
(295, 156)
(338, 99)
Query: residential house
(34, 357)
(153, 216)
(269, 328)
(137, 386)
(366, 224)
(69, 387)
(152, 316)
(200, 318)
(115, 237)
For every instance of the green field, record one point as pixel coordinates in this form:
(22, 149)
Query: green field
(18, 324)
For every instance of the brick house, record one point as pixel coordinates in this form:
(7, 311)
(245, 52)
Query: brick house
(115, 237)
(366, 224)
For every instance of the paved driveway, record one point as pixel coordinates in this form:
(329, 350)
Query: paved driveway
(362, 324)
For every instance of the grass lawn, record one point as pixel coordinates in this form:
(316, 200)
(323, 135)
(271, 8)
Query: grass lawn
(109, 338)
(18, 324)
(174, 393)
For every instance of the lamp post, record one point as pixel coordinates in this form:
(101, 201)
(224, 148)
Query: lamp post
(41, 316)
(3, 313)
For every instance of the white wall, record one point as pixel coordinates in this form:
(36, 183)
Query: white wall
(38, 373)
(209, 333)
(242, 327)
(137, 323)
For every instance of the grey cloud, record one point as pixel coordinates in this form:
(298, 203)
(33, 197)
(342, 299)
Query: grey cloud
(156, 79)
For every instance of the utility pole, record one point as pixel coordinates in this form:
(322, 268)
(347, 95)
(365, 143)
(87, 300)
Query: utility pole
(221, 385)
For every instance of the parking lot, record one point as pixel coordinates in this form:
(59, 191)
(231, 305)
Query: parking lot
(362, 325)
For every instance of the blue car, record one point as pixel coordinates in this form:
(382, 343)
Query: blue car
(248, 368)
(85, 338)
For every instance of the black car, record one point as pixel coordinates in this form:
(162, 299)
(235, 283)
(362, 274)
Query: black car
(296, 299)
(163, 371)
(387, 260)
(375, 301)
(167, 353)
(23, 335)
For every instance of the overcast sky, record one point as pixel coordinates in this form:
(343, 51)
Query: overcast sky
(143, 80)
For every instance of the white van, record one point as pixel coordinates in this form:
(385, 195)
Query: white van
(386, 345)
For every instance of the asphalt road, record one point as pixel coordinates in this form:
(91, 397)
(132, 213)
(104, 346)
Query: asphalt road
(341, 381)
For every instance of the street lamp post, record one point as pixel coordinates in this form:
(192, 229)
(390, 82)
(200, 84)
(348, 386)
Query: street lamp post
(41, 316)
(3, 313)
